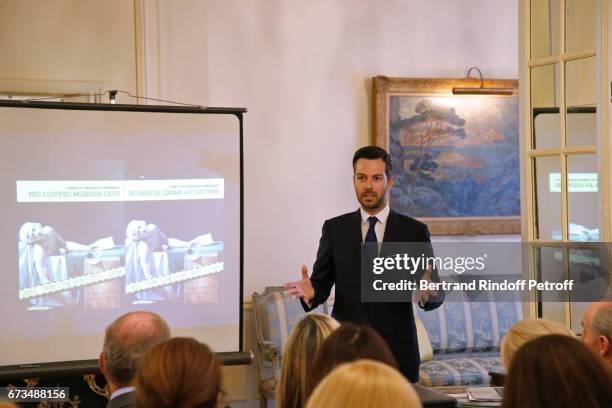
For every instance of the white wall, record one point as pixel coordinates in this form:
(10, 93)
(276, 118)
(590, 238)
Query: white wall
(303, 70)
(67, 46)
(171, 49)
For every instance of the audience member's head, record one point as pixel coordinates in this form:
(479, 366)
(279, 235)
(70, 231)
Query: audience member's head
(7, 404)
(526, 330)
(302, 345)
(126, 340)
(364, 384)
(348, 343)
(597, 329)
(557, 371)
(178, 373)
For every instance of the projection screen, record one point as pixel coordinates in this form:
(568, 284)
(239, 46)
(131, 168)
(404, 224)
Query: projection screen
(114, 208)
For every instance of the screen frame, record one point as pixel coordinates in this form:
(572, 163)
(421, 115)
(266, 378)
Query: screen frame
(82, 366)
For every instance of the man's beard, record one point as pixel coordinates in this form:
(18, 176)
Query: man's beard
(379, 203)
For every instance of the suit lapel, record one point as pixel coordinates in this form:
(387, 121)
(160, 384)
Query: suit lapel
(355, 226)
(390, 233)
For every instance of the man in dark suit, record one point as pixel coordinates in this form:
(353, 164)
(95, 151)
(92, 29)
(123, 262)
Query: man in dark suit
(339, 261)
(126, 340)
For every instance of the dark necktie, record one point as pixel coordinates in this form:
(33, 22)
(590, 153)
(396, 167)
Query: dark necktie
(371, 235)
(369, 253)
(370, 243)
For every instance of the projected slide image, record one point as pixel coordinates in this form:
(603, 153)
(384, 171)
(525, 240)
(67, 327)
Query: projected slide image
(123, 211)
(149, 267)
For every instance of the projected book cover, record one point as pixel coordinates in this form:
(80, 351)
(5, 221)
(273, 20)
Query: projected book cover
(143, 266)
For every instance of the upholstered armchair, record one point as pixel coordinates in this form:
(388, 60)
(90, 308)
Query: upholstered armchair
(275, 315)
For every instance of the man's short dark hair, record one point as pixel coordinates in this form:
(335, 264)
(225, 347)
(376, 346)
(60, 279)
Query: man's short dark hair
(127, 339)
(373, 153)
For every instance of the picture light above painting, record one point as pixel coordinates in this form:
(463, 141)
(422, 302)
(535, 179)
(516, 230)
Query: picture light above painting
(455, 157)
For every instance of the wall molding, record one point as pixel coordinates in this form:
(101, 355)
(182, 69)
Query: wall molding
(148, 45)
(45, 86)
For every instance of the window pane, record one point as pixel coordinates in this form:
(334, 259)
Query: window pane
(545, 86)
(547, 188)
(582, 197)
(580, 23)
(545, 105)
(581, 128)
(554, 311)
(580, 83)
(546, 129)
(588, 269)
(544, 28)
(549, 268)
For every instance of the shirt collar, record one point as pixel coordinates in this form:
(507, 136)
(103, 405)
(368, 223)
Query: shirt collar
(122, 391)
(381, 215)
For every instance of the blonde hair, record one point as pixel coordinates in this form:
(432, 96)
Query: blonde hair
(364, 384)
(526, 330)
(298, 358)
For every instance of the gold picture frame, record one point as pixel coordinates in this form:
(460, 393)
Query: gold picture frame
(455, 156)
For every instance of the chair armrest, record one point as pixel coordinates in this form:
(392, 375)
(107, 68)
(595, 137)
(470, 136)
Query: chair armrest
(269, 351)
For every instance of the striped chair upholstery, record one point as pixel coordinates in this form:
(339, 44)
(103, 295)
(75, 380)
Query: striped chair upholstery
(465, 337)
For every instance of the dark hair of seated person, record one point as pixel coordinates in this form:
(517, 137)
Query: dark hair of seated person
(557, 371)
(348, 343)
(178, 373)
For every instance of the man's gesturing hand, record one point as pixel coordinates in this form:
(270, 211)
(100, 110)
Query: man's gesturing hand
(423, 296)
(302, 288)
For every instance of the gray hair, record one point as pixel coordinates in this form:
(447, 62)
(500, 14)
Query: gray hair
(602, 322)
(127, 339)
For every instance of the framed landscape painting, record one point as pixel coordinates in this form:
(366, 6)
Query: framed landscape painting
(455, 157)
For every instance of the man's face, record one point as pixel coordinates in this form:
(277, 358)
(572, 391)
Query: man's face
(587, 334)
(371, 184)
(595, 341)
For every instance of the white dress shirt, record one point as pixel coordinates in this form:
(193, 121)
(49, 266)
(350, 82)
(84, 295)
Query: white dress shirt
(121, 391)
(380, 226)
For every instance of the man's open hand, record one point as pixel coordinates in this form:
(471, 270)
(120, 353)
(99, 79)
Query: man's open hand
(301, 288)
(423, 296)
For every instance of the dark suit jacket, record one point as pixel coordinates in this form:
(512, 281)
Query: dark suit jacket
(339, 262)
(123, 401)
